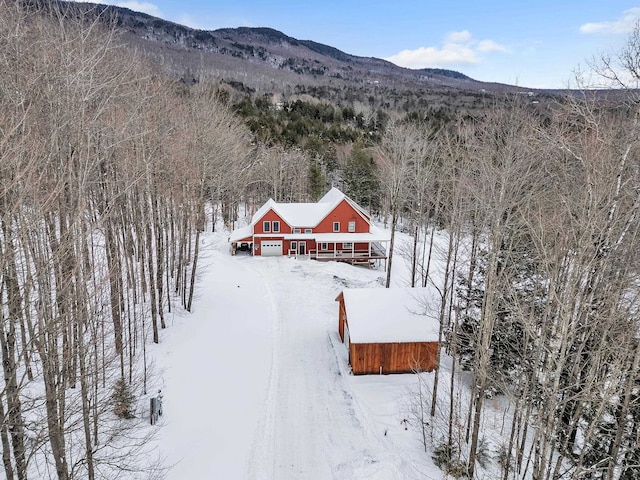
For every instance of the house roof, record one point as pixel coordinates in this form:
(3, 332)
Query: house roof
(335, 196)
(388, 315)
(242, 233)
(332, 196)
(301, 214)
(307, 214)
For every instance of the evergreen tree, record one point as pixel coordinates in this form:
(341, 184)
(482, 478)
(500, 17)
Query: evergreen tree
(317, 179)
(123, 400)
(360, 178)
(517, 304)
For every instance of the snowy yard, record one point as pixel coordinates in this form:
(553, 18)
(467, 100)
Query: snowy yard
(256, 383)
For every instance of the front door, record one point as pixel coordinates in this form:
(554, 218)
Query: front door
(302, 248)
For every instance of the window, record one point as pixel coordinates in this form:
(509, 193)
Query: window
(324, 246)
(347, 245)
(266, 227)
(352, 226)
(296, 230)
(336, 226)
(307, 230)
(294, 245)
(276, 226)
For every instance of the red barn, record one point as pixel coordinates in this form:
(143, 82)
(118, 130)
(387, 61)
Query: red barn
(334, 228)
(389, 330)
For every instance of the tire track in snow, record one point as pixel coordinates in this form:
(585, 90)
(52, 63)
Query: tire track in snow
(312, 428)
(260, 462)
(284, 446)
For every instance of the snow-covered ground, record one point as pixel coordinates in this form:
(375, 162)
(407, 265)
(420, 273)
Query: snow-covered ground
(256, 383)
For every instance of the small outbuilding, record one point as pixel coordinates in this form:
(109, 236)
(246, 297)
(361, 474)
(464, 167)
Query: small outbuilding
(389, 330)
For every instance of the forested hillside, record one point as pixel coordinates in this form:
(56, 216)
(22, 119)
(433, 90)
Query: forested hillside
(109, 163)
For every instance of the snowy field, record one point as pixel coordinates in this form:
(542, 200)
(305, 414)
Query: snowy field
(256, 383)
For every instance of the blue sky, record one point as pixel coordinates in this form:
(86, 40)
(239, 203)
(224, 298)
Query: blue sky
(537, 44)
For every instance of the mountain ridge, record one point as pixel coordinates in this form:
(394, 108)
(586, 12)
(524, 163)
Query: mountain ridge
(267, 61)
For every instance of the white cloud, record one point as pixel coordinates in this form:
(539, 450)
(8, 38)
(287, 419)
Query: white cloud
(433, 57)
(459, 48)
(459, 37)
(206, 22)
(491, 46)
(624, 24)
(144, 7)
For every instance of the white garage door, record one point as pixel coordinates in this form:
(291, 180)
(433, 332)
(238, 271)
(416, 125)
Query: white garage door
(271, 248)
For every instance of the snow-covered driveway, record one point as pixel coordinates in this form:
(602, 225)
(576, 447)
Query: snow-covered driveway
(310, 429)
(255, 382)
(214, 365)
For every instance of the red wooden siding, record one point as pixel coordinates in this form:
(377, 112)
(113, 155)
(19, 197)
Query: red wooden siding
(270, 216)
(392, 357)
(343, 213)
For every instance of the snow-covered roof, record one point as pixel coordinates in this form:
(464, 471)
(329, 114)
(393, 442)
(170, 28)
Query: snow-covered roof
(335, 196)
(295, 214)
(302, 214)
(269, 204)
(386, 315)
(241, 233)
(377, 236)
(332, 196)
(306, 214)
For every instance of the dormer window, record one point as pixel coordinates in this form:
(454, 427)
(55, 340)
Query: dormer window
(307, 230)
(296, 230)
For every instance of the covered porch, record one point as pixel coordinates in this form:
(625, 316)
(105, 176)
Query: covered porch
(366, 248)
(374, 251)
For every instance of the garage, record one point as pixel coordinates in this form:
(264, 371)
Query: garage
(271, 248)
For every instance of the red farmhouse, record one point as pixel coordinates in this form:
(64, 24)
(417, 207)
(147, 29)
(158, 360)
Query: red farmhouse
(335, 228)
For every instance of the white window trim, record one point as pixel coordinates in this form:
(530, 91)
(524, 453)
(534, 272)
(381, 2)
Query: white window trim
(266, 226)
(352, 226)
(297, 230)
(347, 245)
(275, 226)
(308, 230)
(334, 226)
(294, 245)
(324, 246)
